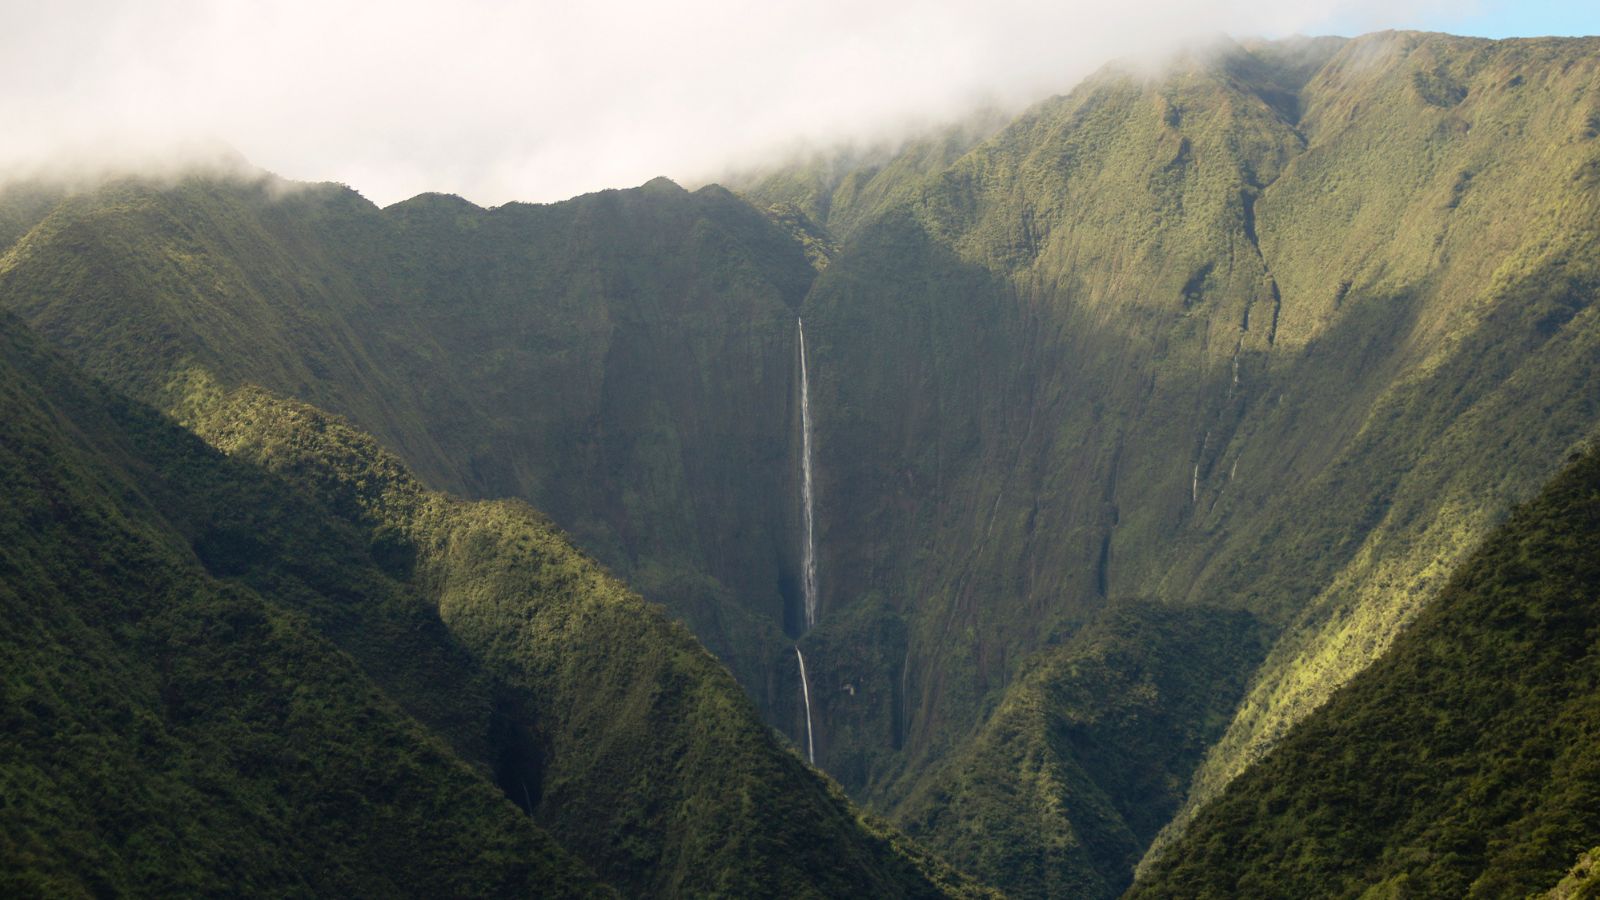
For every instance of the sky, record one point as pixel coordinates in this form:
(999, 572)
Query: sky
(538, 101)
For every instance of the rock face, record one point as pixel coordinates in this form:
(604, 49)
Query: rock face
(1257, 350)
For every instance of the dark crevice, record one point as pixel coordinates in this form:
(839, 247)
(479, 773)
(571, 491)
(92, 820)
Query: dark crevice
(1247, 201)
(518, 761)
(1102, 567)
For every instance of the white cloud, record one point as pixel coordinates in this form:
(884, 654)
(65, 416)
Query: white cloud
(502, 101)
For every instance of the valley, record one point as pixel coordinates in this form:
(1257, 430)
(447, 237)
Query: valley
(1055, 500)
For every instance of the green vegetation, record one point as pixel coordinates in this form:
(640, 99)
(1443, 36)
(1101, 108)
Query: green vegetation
(1582, 883)
(1254, 334)
(1087, 757)
(620, 361)
(1461, 764)
(363, 683)
(651, 763)
(836, 192)
(169, 731)
(1259, 347)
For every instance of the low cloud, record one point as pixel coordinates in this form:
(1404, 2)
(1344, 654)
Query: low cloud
(501, 101)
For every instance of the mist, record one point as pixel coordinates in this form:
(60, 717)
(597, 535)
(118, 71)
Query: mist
(499, 101)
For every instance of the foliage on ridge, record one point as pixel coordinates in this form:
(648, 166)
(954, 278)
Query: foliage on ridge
(170, 727)
(653, 765)
(1461, 764)
(1088, 755)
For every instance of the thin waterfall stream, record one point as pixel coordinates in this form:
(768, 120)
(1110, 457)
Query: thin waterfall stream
(811, 746)
(809, 552)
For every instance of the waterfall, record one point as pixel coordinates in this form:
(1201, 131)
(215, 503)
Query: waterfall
(805, 689)
(809, 555)
(809, 552)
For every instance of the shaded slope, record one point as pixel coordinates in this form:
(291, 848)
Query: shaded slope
(257, 279)
(22, 205)
(168, 732)
(628, 362)
(621, 360)
(1015, 372)
(1462, 763)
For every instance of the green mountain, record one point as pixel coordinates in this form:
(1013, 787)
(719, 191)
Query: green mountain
(288, 668)
(192, 705)
(839, 190)
(1143, 422)
(1461, 764)
(1187, 342)
(1076, 771)
(580, 356)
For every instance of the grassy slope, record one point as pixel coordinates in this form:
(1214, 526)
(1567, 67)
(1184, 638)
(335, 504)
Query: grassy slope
(1463, 763)
(1033, 354)
(843, 189)
(628, 366)
(22, 205)
(1485, 239)
(166, 731)
(257, 280)
(1582, 882)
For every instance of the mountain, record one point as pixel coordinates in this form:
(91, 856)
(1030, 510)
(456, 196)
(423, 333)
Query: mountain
(288, 668)
(1143, 420)
(559, 354)
(1186, 342)
(838, 190)
(1461, 764)
(170, 731)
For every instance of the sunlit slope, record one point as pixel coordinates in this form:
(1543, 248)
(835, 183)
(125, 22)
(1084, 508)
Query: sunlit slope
(1154, 341)
(840, 190)
(1463, 763)
(1494, 263)
(1085, 758)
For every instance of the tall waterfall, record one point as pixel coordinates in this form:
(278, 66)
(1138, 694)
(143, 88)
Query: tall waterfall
(809, 554)
(805, 688)
(809, 557)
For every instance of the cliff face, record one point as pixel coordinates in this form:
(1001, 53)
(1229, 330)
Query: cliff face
(1257, 349)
